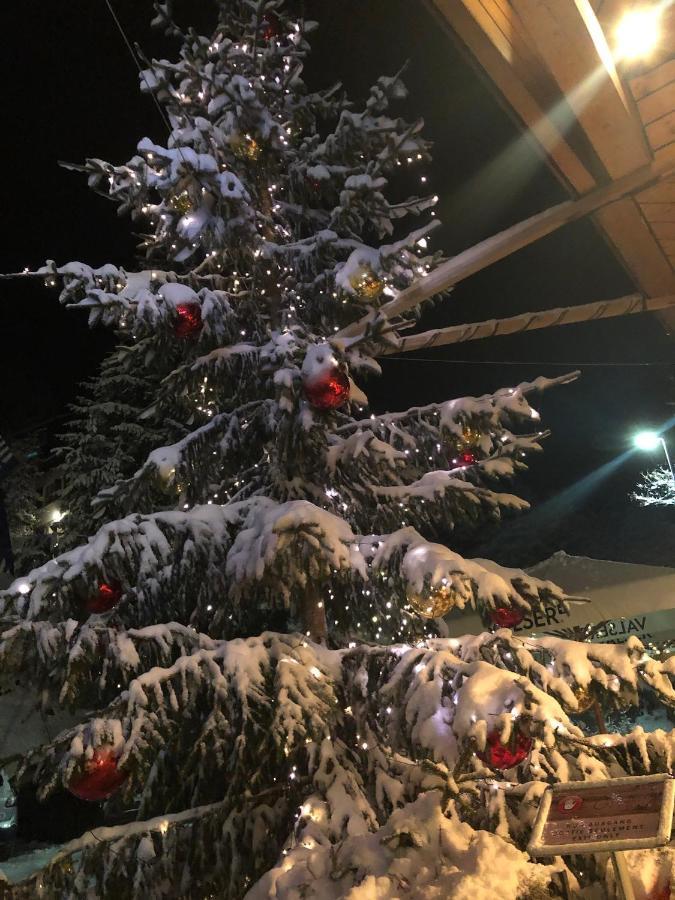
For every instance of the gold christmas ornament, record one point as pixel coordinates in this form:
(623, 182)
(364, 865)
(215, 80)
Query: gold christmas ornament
(366, 283)
(585, 699)
(433, 603)
(471, 437)
(181, 202)
(464, 450)
(246, 147)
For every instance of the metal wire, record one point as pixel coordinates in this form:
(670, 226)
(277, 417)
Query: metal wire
(137, 63)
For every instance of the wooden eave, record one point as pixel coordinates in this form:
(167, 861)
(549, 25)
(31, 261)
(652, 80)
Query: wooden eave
(550, 62)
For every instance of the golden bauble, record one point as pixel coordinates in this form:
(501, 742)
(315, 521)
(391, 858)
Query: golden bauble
(471, 437)
(585, 699)
(181, 202)
(433, 603)
(366, 283)
(245, 147)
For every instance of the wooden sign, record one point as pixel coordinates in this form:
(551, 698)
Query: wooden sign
(600, 816)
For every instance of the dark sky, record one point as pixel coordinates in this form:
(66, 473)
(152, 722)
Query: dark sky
(70, 91)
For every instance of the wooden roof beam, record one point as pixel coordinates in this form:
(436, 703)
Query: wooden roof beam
(530, 321)
(506, 242)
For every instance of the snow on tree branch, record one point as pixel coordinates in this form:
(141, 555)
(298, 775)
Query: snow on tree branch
(656, 488)
(263, 549)
(356, 734)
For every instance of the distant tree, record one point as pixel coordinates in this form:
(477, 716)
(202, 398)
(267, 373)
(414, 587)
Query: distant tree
(656, 488)
(24, 501)
(107, 434)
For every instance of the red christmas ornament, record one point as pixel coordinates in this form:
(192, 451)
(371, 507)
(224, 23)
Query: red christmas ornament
(506, 616)
(108, 594)
(330, 391)
(569, 805)
(270, 27)
(189, 319)
(100, 777)
(467, 458)
(506, 756)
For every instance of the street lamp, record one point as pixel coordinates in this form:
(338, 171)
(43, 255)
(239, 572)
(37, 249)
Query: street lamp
(647, 440)
(637, 33)
(650, 440)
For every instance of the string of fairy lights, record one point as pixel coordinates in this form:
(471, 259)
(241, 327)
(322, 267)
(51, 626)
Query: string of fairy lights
(205, 402)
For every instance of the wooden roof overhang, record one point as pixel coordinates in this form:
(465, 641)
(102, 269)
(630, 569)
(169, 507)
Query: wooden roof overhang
(551, 64)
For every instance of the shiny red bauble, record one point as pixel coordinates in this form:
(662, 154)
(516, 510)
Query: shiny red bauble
(100, 777)
(108, 594)
(330, 391)
(188, 321)
(270, 27)
(506, 616)
(506, 756)
(467, 458)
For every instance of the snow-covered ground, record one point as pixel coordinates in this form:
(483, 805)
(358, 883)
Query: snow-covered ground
(23, 726)
(18, 868)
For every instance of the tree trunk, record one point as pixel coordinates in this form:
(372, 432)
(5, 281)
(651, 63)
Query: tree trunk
(312, 615)
(599, 718)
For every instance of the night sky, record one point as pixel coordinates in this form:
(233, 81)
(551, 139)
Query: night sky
(70, 90)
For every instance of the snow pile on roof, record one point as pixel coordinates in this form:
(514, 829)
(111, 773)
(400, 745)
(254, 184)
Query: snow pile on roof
(582, 573)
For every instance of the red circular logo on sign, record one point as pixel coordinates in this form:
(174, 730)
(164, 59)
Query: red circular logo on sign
(569, 804)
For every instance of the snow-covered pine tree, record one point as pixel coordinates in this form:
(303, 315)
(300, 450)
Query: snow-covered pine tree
(354, 752)
(655, 488)
(107, 433)
(23, 498)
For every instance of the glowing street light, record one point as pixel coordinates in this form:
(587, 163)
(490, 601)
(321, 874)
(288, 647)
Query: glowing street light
(650, 440)
(647, 440)
(637, 33)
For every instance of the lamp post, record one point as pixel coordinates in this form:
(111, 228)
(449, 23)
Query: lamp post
(650, 440)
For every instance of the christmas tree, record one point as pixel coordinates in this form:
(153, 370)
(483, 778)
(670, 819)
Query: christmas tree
(254, 634)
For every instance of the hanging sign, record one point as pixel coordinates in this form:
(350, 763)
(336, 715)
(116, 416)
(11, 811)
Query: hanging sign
(600, 816)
